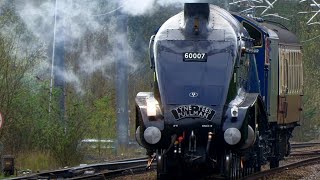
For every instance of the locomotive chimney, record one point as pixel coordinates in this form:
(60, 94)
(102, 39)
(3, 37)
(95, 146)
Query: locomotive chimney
(196, 10)
(196, 15)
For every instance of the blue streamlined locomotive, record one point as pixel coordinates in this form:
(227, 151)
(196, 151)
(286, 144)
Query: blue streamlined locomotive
(227, 94)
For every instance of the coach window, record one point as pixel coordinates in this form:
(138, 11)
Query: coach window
(286, 72)
(290, 72)
(283, 67)
(281, 73)
(297, 71)
(254, 33)
(296, 74)
(301, 72)
(294, 71)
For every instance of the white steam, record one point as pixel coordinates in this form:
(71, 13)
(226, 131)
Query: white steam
(137, 7)
(77, 19)
(70, 76)
(141, 7)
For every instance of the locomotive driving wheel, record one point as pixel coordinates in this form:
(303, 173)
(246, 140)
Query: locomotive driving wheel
(165, 164)
(169, 167)
(233, 166)
(236, 167)
(161, 165)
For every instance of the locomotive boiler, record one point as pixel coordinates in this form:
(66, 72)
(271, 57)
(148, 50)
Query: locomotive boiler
(209, 111)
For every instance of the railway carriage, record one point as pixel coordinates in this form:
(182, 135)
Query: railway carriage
(279, 63)
(227, 94)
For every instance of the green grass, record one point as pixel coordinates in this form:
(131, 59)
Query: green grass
(5, 177)
(35, 161)
(40, 161)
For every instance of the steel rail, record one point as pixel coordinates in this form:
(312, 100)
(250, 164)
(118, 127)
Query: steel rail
(307, 153)
(302, 145)
(86, 169)
(269, 172)
(116, 173)
(138, 165)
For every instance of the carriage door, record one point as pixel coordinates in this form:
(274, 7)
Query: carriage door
(290, 85)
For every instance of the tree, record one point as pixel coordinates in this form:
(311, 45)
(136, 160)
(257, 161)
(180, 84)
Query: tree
(17, 61)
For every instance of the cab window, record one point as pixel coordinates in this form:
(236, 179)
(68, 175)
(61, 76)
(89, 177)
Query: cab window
(254, 33)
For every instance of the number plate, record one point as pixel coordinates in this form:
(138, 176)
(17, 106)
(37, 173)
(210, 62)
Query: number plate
(195, 56)
(193, 111)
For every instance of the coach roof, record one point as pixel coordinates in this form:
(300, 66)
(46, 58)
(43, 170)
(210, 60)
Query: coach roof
(285, 36)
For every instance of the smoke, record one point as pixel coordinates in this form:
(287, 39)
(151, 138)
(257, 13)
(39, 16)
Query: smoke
(75, 21)
(70, 76)
(137, 7)
(141, 7)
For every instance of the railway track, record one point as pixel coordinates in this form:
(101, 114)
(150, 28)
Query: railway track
(305, 149)
(295, 165)
(138, 165)
(303, 145)
(94, 171)
(301, 163)
(306, 153)
(115, 173)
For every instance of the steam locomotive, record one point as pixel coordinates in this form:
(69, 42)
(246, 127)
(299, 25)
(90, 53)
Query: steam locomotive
(227, 94)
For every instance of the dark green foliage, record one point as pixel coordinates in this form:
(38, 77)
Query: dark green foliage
(65, 135)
